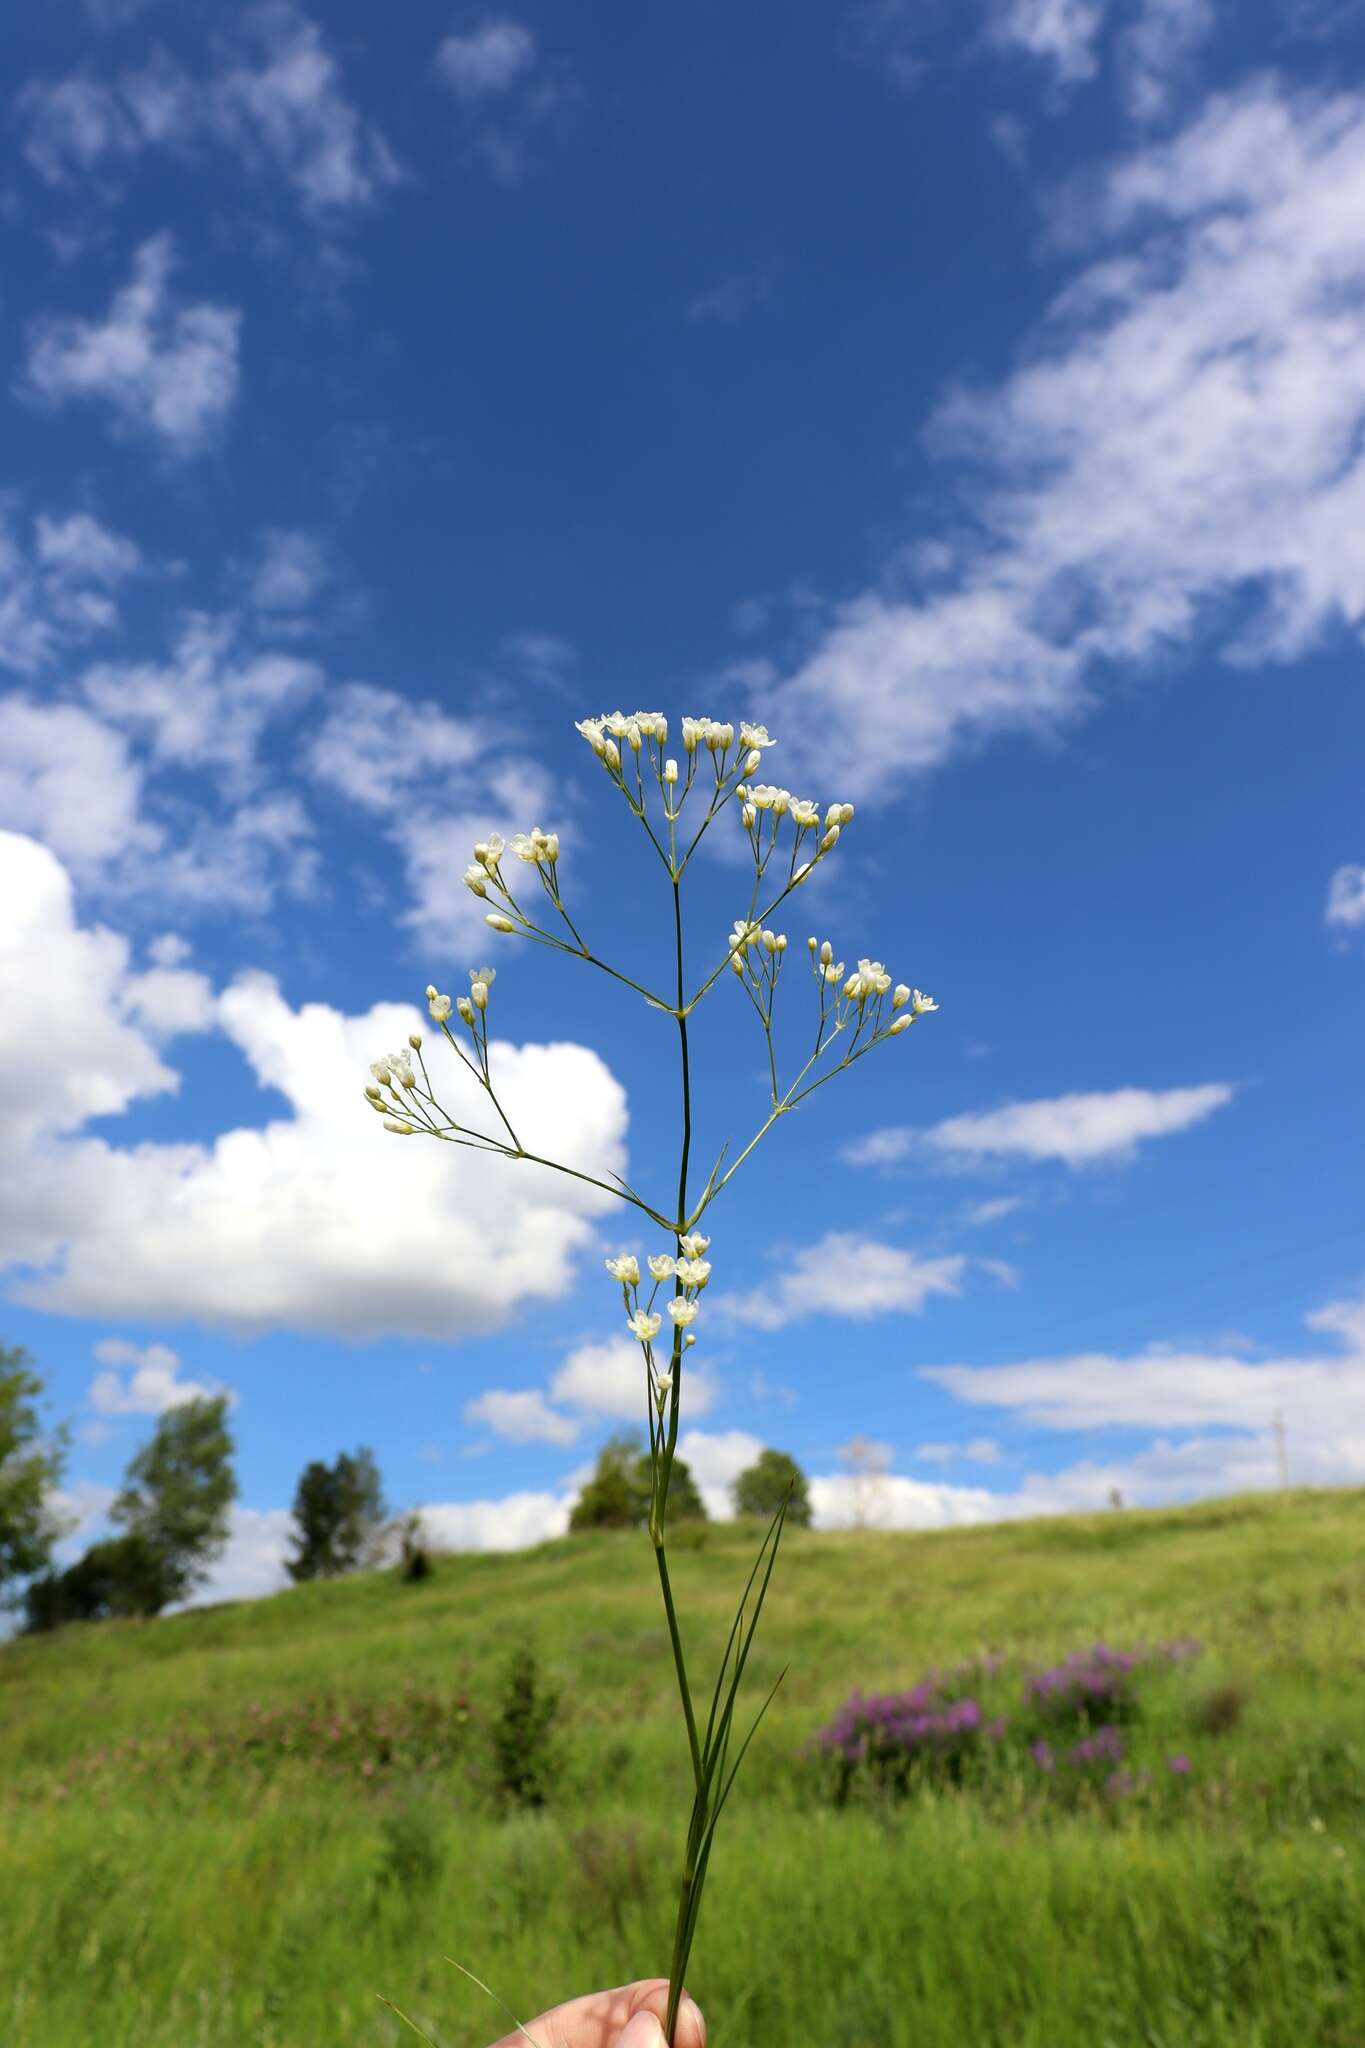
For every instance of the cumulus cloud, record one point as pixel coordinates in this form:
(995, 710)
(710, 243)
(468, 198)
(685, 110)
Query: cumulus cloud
(275, 99)
(609, 1379)
(845, 1275)
(1080, 1130)
(66, 777)
(1157, 49)
(523, 1416)
(1181, 444)
(1346, 898)
(164, 369)
(314, 1220)
(142, 1381)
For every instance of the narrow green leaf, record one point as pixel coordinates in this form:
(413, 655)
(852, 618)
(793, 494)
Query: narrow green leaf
(399, 2014)
(502, 2003)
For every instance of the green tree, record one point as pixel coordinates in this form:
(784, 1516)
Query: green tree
(176, 1495)
(338, 1514)
(617, 1495)
(30, 1467)
(122, 1575)
(763, 1486)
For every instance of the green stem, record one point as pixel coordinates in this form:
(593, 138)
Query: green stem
(676, 1639)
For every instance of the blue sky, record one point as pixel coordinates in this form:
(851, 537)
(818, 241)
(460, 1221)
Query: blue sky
(972, 394)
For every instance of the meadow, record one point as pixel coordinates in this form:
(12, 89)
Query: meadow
(241, 1825)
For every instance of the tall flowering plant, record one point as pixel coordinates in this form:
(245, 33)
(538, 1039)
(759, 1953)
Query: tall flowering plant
(676, 803)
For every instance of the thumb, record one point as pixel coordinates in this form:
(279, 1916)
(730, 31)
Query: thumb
(643, 2031)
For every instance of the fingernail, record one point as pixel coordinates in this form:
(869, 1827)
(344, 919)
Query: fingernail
(643, 2031)
(693, 2010)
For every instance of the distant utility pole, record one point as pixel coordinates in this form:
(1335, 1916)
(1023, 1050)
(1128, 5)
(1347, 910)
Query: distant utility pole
(1281, 1452)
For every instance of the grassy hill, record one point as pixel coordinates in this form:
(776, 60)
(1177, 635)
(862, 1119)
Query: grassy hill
(237, 1826)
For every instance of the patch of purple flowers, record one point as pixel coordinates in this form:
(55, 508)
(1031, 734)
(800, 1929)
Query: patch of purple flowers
(897, 1735)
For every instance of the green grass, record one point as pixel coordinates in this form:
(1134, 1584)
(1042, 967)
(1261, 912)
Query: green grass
(162, 1887)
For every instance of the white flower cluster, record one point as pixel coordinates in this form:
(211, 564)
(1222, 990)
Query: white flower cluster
(758, 800)
(469, 1007)
(394, 1090)
(484, 876)
(756, 957)
(862, 993)
(690, 1269)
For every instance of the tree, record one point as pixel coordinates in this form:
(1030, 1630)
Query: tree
(123, 1575)
(176, 1495)
(338, 1513)
(617, 1495)
(30, 1467)
(763, 1486)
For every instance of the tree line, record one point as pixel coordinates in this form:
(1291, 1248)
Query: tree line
(171, 1516)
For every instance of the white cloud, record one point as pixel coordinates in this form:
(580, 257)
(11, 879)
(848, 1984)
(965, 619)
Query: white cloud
(142, 1381)
(1062, 33)
(609, 1379)
(1157, 50)
(511, 1523)
(208, 705)
(59, 590)
(275, 100)
(978, 1450)
(164, 369)
(316, 1220)
(252, 1564)
(523, 1416)
(1080, 1130)
(381, 750)
(993, 1211)
(845, 1275)
(291, 571)
(715, 1459)
(488, 59)
(66, 777)
(1346, 897)
(1182, 444)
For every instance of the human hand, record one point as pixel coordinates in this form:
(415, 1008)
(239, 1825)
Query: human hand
(629, 2017)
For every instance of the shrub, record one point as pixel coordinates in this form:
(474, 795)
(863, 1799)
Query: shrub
(524, 1758)
(414, 1848)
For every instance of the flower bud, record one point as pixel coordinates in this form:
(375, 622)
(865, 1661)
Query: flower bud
(826, 953)
(770, 942)
(480, 850)
(611, 754)
(753, 763)
(478, 995)
(811, 942)
(901, 1024)
(499, 924)
(373, 1094)
(399, 1130)
(737, 962)
(830, 839)
(475, 879)
(900, 996)
(663, 1381)
(465, 1008)
(670, 771)
(690, 1338)
(782, 942)
(747, 815)
(438, 1005)
(846, 814)
(415, 1040)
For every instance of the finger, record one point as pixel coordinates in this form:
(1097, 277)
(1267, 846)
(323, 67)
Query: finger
(644, 2031)
(651, 1995)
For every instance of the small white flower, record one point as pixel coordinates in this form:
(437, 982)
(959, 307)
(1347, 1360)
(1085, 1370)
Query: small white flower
(869, 979)
(670, 771)
(693, 730)
(835, 971)
(661, 1266)
(625, 1268)
(591, 729)
(744, 935)
(693, 1272)
(804, 812)
(611, 755)
(663, 1381)
(478, 995)
(826, 953)
(476, 878)
(748, 816)
(689, 1338)
(755, 735)
(900, 996)
(694, 1244)
(523, 846)
(439, 1006)
(753, 761)
(380, 1070)
(465, 1008)
(920, 1003)
(487, 975)
(488, 852)
(682, 1312)
(644, 1325)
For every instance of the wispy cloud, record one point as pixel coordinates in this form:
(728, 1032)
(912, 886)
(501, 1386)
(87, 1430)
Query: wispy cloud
(161, 368)
(1346, 898)
(1079, 1130)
